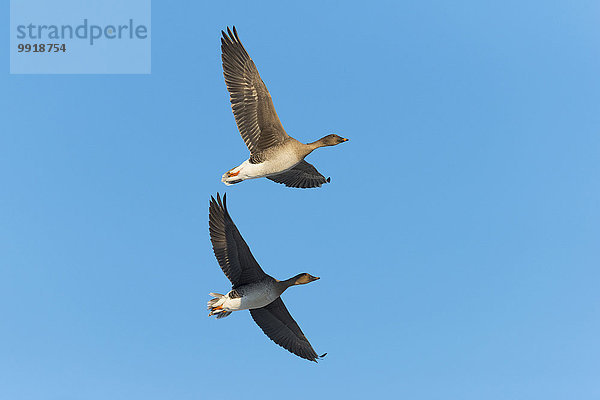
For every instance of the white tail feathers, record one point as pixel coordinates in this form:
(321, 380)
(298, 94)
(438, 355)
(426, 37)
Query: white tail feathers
(229, 179)
(215, 306)
(235, 175)
(218, 298)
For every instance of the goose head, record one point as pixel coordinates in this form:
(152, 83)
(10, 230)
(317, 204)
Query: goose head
(331, 140)
(303, 279)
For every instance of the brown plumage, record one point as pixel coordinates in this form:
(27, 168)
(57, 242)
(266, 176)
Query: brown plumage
(260, 127)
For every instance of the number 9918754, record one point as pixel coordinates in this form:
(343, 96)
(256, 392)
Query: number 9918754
(41, 48)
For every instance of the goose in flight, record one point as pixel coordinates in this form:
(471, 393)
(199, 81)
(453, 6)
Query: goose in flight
(273, 153)
(253, 289)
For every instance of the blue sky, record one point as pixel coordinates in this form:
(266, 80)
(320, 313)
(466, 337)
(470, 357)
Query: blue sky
(457, 245)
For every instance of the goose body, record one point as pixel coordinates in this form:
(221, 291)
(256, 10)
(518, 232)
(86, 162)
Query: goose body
(270, 162)
(253, 289)
(273, 153)
(247, 297)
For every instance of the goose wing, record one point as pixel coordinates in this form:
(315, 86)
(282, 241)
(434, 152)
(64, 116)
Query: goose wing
(277, 323)
(303, 175)
(232, 252)
(251, 102)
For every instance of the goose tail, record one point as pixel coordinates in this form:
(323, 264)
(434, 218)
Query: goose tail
(215, 306)
(229, 179)
(234, 175)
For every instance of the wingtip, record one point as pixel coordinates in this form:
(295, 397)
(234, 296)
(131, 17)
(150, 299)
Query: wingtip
(220, 202)
(227, 38)
(230, 36)
(217, 201)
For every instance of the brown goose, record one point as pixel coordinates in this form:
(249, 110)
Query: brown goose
(253, 289)
(273, 153)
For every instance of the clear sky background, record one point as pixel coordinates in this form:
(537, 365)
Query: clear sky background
(458, 243)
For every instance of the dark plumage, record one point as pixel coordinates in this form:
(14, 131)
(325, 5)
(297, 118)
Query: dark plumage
(232, 252)
(303, 175)
(250, 281)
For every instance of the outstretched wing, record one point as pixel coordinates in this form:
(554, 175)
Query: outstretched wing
(277, 323)
(251, 102)
(303, 175)
(232, 252)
